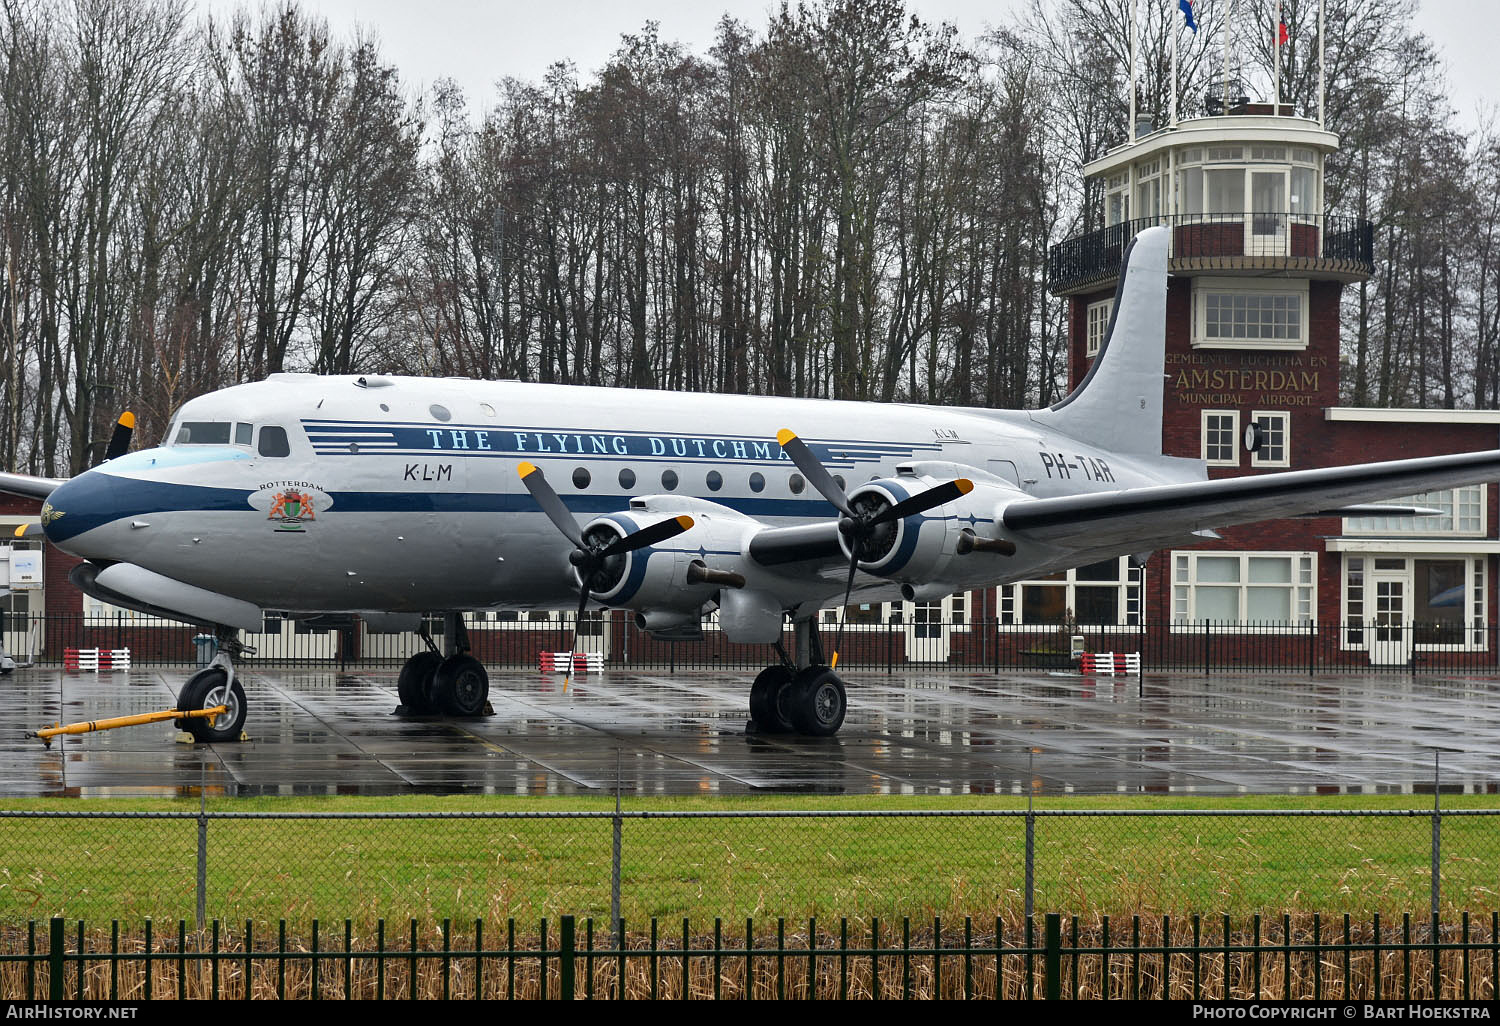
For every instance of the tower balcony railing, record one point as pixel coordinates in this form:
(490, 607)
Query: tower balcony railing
(1328, 244)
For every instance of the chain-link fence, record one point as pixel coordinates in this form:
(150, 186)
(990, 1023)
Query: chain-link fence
(644, 863)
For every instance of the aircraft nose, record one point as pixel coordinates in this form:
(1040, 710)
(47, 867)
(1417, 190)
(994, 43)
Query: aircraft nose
(78, 506)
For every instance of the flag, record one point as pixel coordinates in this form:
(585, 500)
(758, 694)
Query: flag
(1281, 34)
(1186, 6)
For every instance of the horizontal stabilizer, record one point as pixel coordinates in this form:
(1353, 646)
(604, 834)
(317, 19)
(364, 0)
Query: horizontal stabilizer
(1107, 518)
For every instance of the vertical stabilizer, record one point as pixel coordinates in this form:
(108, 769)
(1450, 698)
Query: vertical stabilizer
(1119, 402)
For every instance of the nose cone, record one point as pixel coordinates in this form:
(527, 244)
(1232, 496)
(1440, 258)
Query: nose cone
(77, 507)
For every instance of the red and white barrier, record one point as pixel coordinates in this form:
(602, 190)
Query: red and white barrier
(96, 660)
(1110, 664)
(583, 662)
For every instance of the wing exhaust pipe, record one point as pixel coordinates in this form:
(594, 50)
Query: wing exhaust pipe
(698, 573)
(969, 542)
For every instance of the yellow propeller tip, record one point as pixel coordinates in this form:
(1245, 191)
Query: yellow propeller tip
(127, 419)
(526, 469)
(784, 436)
(684, 522)
(21, 531)
(965, 486)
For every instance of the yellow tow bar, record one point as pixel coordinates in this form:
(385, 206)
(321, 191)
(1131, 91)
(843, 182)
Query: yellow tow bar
(89, 726)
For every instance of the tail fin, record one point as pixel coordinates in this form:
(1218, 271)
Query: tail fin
(1118, 405)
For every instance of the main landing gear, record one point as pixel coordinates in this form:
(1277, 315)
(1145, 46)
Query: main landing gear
(455, 685)
(801, 694)
(216, 685)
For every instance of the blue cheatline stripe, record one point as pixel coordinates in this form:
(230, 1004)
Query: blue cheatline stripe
(96, 498)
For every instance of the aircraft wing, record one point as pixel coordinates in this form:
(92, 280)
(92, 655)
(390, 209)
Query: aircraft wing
(1108, 518)
(30, 487)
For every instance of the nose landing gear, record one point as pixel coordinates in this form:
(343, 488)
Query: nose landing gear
(215, 685)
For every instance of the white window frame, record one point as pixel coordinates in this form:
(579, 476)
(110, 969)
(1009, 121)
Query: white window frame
(1260, 458)
(1096, 326)
(1130, 585)
(1228, 286)
(1475, 630)
(1234, 437)
(1303, 586)
(1426, 527)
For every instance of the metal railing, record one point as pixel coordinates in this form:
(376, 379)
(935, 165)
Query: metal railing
(1334, 243)
(886, 645)
(1050, 957)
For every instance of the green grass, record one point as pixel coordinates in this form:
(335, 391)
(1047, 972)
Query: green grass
(527, 868)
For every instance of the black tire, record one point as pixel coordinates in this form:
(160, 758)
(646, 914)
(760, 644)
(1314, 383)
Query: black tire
(817, 702)
(461, 686)
(414, 686)
(204, 690)
(768, 700)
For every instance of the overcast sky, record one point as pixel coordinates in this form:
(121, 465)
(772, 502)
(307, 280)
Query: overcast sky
(478, 42)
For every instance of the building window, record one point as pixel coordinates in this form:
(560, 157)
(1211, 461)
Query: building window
(1098, 326)
(1441, 600)
(1462, 514)
(1231, 316)
(1266, 589)
(1107, 593)
(1274, 431)
(1221, 429)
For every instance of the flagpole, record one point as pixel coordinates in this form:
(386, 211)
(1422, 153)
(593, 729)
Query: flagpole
(1228, 24)
(1134, 17)
(1276, 39)
(1172, 26)
(1321, 123)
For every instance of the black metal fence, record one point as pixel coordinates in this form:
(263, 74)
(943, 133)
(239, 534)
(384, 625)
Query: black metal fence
(1290, 241)
(1052, 957)
(889, 644)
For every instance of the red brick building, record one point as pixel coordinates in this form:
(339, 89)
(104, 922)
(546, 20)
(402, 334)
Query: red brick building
(1257, 271)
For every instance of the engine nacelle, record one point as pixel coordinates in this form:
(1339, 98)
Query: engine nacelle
(922, 547)
(676, 577)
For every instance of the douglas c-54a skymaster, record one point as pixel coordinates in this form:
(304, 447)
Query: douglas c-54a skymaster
(393, 497)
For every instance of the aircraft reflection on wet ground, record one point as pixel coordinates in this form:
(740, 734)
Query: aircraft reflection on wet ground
(921, 731)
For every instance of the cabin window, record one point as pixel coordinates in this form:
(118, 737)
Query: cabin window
(198, 432)
(669, 480)
(581, 478)
(273, 442)
(796, 484)
(439, 412)
(757, 482)
(627, 478)
(715, 480)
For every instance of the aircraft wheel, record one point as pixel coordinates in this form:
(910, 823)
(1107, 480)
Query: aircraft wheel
(461, 686)
(817, 701)
(206, 689)
(415, 683)
(768, 700)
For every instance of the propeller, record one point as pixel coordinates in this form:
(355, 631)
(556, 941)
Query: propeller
(589, 557)
(861, 526)
(119, 442)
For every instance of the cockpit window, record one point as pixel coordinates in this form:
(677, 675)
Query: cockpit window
(198, 432)
(273, 442)
(242, 433)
